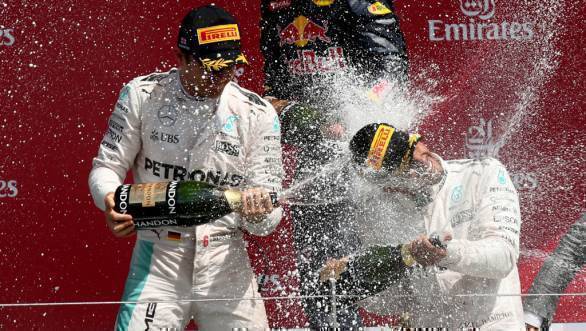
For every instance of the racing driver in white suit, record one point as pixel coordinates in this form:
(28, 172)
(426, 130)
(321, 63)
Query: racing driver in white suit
(471, 281)
(192, 123)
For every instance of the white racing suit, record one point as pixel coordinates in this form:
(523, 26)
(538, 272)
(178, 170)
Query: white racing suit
(477, 204)
(162, 134)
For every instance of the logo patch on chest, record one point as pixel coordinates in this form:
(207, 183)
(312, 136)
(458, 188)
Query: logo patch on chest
(167, 115)
(230, 125)
(457, 194)
(227, 148)
(157, 136)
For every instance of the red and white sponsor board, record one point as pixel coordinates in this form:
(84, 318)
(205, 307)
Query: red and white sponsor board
(509, 74)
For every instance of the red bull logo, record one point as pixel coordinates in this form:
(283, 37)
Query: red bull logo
(303, 30)
(278, 5)
(309, 62)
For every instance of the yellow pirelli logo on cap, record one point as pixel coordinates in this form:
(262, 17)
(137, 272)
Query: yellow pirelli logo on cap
(214, 34)
(379, 146)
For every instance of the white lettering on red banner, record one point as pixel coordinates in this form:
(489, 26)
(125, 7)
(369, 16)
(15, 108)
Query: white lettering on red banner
(6, 37)
(525, 181)
(480, 141)
(8, 189)
(269, 283)
(474, 30)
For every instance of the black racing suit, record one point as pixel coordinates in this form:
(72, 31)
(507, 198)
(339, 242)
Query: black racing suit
(304, 42)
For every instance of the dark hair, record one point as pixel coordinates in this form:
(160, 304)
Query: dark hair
(188, 55)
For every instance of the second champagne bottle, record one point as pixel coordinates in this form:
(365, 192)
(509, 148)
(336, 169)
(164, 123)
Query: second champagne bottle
(177, 203)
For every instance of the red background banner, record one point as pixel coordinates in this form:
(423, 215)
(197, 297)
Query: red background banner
(516, 93)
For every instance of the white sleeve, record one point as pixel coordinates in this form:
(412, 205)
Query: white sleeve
(533, 319)
(494, 250)
(118, 148)
(264, 165)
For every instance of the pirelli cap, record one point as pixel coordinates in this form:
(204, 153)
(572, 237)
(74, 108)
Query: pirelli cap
(211, 35)
(380, 146)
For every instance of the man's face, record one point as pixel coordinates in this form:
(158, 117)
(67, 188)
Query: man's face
(425, 166)
(202, 82)
(425, 171)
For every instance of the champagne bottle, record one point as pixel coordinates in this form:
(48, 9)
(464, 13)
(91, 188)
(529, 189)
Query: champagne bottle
(176, 203)
(370, 272)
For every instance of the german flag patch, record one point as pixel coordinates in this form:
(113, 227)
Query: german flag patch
(173, 236)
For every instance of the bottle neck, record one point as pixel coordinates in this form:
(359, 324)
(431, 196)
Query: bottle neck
(234, 198)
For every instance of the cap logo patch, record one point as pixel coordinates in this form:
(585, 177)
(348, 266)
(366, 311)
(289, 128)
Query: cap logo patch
(406, 161)
(214, 34)
(221, 63)
(379, 146)
(217, 64)
(378, 8)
